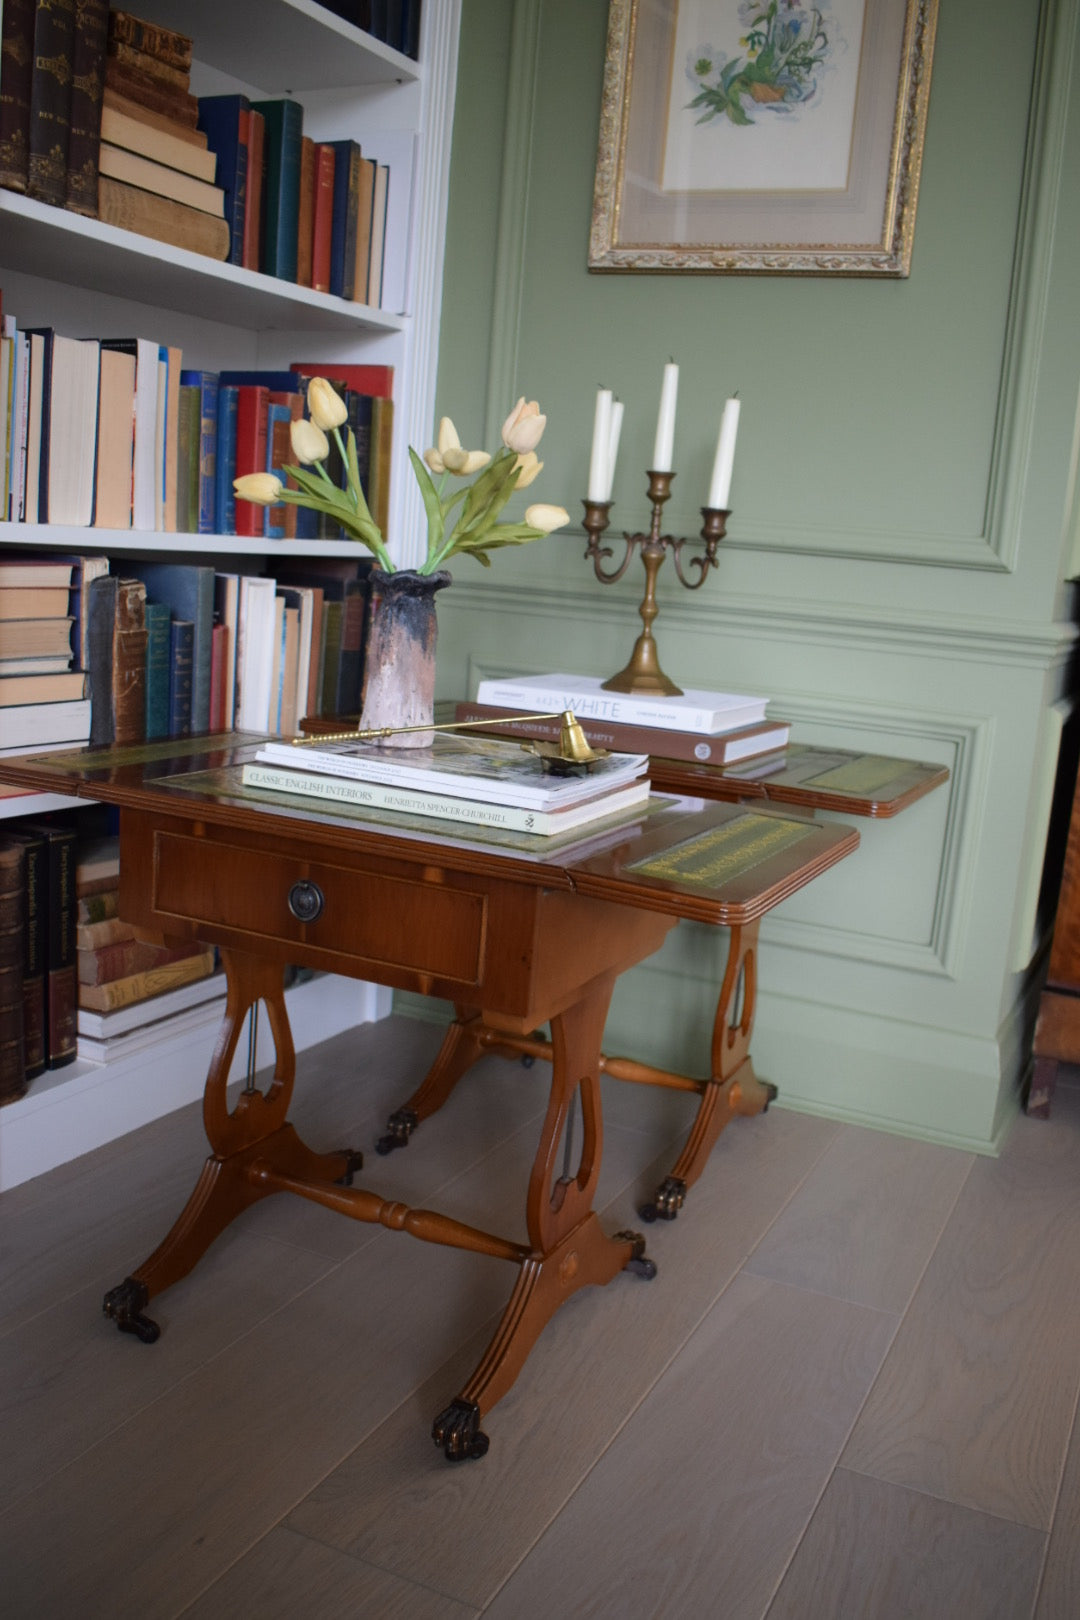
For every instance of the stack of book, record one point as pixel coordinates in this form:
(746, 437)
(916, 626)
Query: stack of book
(482, 781)
(702, 727)
(37, 897)
(115, 967)
(51, 77)
(43, 698)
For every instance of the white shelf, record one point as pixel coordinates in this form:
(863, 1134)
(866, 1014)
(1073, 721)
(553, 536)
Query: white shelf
(39, 537)
(37, 804)
(283, 45)
(57, 245)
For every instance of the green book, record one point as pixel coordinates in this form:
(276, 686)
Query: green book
(158, 621)
(281, 185)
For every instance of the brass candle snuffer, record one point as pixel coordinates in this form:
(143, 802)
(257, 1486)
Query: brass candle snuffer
(643, 673)
(572, 751)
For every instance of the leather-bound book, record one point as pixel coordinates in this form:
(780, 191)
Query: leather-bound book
(87, 84)
(50, 102)
(117, 648)
(61, 985)
(306, 216)
(161, 218)
(136, 85)
(12, 907)
(165, 44)
(16, 67)
(35, 920)
(322, 222)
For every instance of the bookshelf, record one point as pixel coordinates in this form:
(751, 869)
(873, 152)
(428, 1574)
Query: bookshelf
(86, 278)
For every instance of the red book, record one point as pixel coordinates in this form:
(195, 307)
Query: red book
(306, 213)
(375, 381)
(322, 218)
(256, 144)
(252, 417)
(219, 656)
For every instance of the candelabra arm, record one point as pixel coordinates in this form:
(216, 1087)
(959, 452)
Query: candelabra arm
(596, 521)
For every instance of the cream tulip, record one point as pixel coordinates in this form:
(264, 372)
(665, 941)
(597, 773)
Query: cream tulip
(524, 427)
(528, 468)
(325, 407)
(462, 462)
(309, 442)
(261, 488)
(546, 518)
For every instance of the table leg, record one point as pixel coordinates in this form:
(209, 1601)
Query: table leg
(568, 1248)
(255, 1129)
(460, 1049)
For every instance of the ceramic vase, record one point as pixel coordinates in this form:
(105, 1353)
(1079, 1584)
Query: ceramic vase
(399, 659)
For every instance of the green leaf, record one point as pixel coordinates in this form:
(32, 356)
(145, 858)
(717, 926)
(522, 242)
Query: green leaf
(432, 504)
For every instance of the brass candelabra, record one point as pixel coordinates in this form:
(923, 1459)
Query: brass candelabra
(643, 672)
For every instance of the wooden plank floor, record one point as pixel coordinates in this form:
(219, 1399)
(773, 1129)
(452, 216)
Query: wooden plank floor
(851, 1391)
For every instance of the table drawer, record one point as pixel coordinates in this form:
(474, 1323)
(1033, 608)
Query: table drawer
(422, 925)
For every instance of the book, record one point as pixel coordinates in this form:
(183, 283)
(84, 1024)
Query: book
(26, 638)
(19, 571)
(206, 383)
(115, 441)
(254, 652)
(33, 602)
(84, 569)
(305, 217)
(181, 676)
(365, 197)
(490, 769)
(226, 612)
(117, 660)
(219, 119)
(188, 588)
(695, 710)
(16, 68)
(35, 923)
(156, 1022)
(147, 214)
(718, 749)
(187, 489)
(284, 128)
(377, 245)
(13, 1078)
(153, 66)
(69, 423)
(345, 217)
(379, 460)
(111, 930)
(253, 204)
(119, 959)
(50, 102)
(346, 589)
(59, 687)
(60, 983)
(166, 44)
(417, 802)
(225, 460)
(93, 908)
(150, 982)
(137, 85)
(158, 666)
(140, 129)
(121, 1020)
(220, 649)
(97, 866)
(322, 217)
(87, 84)
(41, 724)
(145, 439)
(118, 163)
(170, 436)
(252, 426)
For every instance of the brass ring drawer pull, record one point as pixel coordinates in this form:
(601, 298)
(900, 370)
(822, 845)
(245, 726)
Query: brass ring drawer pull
(306, 901)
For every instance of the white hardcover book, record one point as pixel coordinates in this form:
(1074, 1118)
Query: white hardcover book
(414, 802)
(489, 769)
(28, 726)
(73, 391)
(695, 710)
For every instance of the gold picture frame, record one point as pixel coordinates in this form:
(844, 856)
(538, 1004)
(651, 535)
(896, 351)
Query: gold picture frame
(729, 145)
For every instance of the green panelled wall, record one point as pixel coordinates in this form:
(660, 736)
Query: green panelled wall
(904, 518)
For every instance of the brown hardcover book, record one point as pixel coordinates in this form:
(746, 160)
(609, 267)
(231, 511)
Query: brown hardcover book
(167, 145)
(117, 646)
(311, 703)
(116, 440)
(322, 223)
(144, 212)
(220, 644)
(12, 935)
(50, 102)
(35, 921)
(726, 749)
(255, 125)
(111, 930)
(95, 908)
(29, 602)
(130, 56)
(135, 170)
(365, 202)
(62, 686)
(146, 118)
(60, 981)
(16, 69)
(163, 43)
(382, 442)
(35, 638)
(377, 252)
(306, 211)
(142, 986)
(87, 83)
(123, 957)
(150, 92)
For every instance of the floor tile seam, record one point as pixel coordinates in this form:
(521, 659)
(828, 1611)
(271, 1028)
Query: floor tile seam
(193, 1372)
(952, 1501)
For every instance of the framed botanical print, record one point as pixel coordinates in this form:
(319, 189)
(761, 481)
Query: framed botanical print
(769, 136)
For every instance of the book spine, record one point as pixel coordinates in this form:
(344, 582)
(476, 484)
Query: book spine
(305, 218)
(382, 443)
(627, 711)
(124, 957)
(60, 982)
(281, 197)
(87, 83)
(684, 745)
(225, 461)
(35, 921)
(252, 419)
(220, 642)
(256, 180)
(187, 486)
(219, 119)
(16, 72)
(95, 908)
(133, 84)
(50, 102)
(163, 43)
(129, 663)
(345, 217)
(181, 673)
(158, 662)
(154, 66)
(12, 950)
(162, 219)
(208, 415)
(109, 931)
(409, 801)
(99, 656)
(322, 220)
(152, 982)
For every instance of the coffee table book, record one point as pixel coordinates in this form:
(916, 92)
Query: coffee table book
(485, 769)
(694, 710)
(417, 802)
(723, 748)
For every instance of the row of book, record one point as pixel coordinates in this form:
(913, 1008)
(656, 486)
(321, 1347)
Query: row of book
(161, 648)
(117, 433)
(395, 22)
(97, 115)
(64, 953)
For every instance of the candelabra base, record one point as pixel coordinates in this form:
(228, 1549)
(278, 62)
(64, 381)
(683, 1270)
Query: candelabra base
(643, 673)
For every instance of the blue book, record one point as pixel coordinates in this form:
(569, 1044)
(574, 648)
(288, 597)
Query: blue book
(225, 466)
(275, 525)
(345, 218)
(207, 384)
(279, 382)
(181, 676)
(219, 119)
(281, 185)
(188, 588)
(158, 665)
